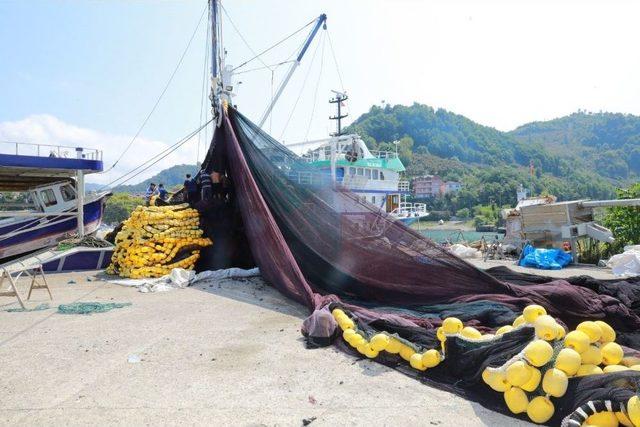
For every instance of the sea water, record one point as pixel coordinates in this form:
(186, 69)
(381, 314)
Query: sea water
(439, 235)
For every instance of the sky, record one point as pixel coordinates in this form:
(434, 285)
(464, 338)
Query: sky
(88, 72)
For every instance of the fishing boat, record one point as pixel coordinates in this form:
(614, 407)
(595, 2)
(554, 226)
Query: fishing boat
(374, 176)
(57, 205)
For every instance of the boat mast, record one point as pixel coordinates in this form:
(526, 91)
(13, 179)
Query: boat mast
(216, 78)
(321, 21)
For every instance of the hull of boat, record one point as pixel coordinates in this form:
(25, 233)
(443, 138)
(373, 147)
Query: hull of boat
(33, 234)
(408, 220)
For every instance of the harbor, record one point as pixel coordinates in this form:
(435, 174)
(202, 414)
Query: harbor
(142, 367)
(210, 247)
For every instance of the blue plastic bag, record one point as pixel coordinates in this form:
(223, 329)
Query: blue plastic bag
(546, 259)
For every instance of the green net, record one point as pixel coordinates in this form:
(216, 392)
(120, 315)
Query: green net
(39, 307)
(90, 307)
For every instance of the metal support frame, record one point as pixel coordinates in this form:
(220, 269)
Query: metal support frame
(80, 202)
(33, 272)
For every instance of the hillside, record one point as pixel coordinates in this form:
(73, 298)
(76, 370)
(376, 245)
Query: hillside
(582, 155)
(170, 177)
(605, 142)
(578, 156)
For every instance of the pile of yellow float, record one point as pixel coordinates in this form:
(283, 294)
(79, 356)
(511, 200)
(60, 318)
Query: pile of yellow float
(543, 368)
(155, 240)
(559, 355)
(385, 342)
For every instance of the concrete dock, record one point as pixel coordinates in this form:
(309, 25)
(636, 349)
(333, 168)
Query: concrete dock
(227, 353)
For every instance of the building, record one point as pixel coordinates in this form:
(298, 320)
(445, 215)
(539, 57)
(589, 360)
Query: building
(452, 187)
(427, 186)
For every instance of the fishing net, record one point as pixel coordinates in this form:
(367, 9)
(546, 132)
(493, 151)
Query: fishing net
(90, 307)
(326, 248)
(39, 307)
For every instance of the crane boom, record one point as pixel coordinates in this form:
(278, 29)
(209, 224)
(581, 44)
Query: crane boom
(322, 19)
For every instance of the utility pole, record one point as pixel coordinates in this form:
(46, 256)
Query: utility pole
(340, 97)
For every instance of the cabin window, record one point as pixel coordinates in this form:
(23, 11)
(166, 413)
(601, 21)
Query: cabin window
(373, 199)
(48, 197)
(67, 193)
(367, 173)
(381, 176)
(352, 171)
(360, 171)
(374, 174)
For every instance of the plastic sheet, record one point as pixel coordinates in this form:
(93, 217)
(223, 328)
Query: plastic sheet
(626, 264)
(545, 259)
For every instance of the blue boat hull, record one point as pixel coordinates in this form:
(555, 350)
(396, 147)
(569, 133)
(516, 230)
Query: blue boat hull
(55, 230)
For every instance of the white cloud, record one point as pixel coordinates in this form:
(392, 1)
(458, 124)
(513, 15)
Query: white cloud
(47, 129)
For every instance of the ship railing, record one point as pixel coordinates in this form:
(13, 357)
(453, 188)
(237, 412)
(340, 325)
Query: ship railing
(384, 154)
(403, 185)
(49, 150)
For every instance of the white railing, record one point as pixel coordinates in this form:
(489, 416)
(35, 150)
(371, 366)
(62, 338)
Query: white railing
(49, 150)
(384, 154)
(403, 185)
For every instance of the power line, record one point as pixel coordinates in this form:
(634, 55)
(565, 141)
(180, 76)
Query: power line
(144, 123)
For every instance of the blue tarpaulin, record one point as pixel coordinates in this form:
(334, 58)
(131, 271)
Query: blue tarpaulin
(546, 259)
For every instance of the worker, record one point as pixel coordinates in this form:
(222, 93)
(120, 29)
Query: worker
(162, 193)
(204, 183)
(190, 189)
(151, 191)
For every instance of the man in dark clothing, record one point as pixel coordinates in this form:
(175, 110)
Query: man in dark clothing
(190, 189)
(206, 195)
(162, 193)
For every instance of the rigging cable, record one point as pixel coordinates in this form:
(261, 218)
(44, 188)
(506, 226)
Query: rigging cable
(155, 159)
(335, 61)
(144, 123)
(304, 82)
(204, 85)
(315, 93)
(246, 43)
(273, 46)
(274, 66)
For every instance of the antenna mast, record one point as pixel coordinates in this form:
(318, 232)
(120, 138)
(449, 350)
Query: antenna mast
(338, 100)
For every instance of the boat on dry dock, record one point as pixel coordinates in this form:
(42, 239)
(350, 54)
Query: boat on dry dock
(53, 177)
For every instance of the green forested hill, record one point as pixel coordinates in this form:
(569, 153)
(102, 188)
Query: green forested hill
(608, 143)
(583, 155)
(579, 156)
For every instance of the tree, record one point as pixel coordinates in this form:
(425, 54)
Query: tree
(624, 222)
(119, 207)
(463, 213)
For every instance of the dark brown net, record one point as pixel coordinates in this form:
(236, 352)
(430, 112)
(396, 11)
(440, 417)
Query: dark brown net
(319, 244)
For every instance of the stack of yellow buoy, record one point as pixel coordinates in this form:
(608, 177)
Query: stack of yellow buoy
(589, 349)
(155, 240)
(372, 346)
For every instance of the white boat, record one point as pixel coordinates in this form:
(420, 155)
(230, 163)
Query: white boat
(56, 199)
(409, 213)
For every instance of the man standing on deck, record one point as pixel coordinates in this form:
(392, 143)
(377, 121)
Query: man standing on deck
(190, 189)
(162, 193)
(151, 191)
